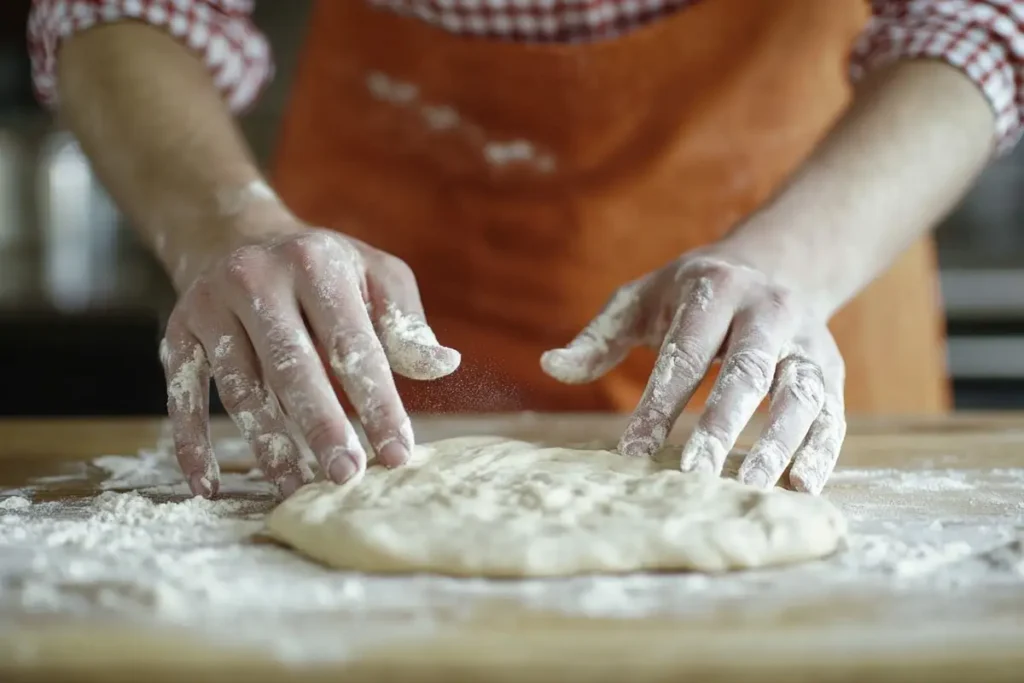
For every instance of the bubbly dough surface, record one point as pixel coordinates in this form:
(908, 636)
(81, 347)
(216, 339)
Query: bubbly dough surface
(490, 506)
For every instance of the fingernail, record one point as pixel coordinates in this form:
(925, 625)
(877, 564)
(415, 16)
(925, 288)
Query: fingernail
(393, 454)
(554, 355)
(699, 465)
(705, 465)
(756, 477)
(200, 485)
(698, 461)
(692, 457)
(289, 484)
(633, 445)
(805, 484)
(633, 449)
(342, 468)
(636, 446)
(570, 365)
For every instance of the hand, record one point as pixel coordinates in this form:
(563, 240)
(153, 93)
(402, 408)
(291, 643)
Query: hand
(262, 320)
(701, 308)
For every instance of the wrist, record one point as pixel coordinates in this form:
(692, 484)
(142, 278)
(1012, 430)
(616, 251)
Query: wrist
(248, 215)
(822, 271)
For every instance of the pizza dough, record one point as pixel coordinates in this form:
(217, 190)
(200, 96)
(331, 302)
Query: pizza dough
(488, 506)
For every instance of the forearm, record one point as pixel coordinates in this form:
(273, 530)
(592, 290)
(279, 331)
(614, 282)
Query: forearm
(160, 138)
(916, 136)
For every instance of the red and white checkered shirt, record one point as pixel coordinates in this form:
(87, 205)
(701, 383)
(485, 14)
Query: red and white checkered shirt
(983, 38)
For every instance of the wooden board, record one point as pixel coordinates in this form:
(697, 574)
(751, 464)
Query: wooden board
(936, 631)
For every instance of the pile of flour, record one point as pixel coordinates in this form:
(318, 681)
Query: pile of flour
(146, 551)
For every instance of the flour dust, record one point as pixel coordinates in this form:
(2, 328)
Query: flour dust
(144, 550)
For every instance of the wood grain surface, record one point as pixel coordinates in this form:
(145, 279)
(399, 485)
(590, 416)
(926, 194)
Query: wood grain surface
(862, 636)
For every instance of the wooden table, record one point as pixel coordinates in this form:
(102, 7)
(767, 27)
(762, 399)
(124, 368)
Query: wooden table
(788, 625)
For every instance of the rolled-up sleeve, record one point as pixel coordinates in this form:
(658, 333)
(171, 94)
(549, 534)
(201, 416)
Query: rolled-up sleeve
(984, 39)
(220, 32)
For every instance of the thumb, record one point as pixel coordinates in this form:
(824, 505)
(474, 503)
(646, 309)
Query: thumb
(604, 342)
(411, 346)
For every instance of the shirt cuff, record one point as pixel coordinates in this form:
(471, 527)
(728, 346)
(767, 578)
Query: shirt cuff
(984, 40)
(220, 32)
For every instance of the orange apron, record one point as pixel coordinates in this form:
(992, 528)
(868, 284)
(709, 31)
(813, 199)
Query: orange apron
(523, 183)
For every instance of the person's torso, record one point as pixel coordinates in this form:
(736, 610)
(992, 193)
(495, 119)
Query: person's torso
(523, 180)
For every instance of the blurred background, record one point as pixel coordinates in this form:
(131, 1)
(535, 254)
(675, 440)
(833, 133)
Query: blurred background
(81, 303)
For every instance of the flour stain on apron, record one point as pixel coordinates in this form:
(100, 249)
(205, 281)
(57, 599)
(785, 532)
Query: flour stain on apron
(441, 118)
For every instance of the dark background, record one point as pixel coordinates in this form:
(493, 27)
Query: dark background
(81, 303)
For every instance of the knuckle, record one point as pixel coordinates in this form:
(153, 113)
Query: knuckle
(315, 242)
(725, 277)
(287, 348)
(342, 252)
(239, 393)
(803, 383)
(276, 453)
(828, 431)
(750, 367)
(396, 267)
(197, 299)
(716, 431)
(320, 432)
(833, 442)
(720, 273)
(191, 453)
(715, 272)
(685, 356)
(353, 350)
(772, 456)
(781, 300)
(308, 248)
(243, 268)
(702, 265)
(692, 269)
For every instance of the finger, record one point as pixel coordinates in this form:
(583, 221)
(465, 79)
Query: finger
(254, 408)
(411, 347)
(756, 341)
(294, 374)
(188, 406)
(337, 314)
(817, 455)
(796, 401)
(604, 342)
(693, 339)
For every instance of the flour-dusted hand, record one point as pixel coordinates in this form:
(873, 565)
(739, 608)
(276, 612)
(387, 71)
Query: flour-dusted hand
(271, 323)
(706, 307)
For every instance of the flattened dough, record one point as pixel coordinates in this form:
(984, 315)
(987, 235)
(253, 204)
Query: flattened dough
(488, 506)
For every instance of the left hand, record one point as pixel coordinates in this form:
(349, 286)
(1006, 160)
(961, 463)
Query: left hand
(707, 306)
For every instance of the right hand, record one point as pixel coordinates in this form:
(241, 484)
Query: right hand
(271, 322)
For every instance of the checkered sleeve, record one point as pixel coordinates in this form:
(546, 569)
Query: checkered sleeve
(985, 40)
(219, 31)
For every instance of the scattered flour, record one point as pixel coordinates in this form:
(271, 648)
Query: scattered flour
(157, 472)
(14, 503)
(932, 480)
(161, 558)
